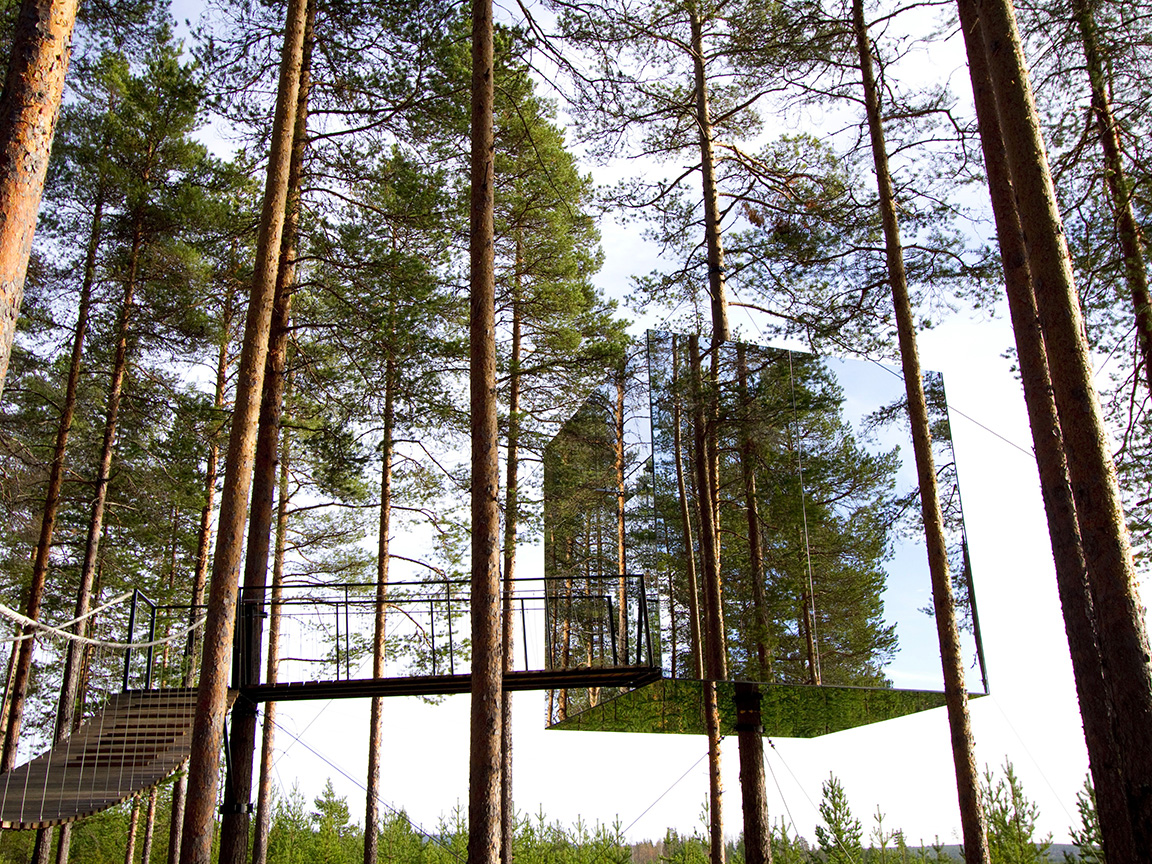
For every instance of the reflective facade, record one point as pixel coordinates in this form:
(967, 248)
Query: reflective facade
(825, 591)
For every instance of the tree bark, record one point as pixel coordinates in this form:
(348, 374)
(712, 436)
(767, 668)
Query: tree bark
(511, 526)
(376, 720)
(268, 736)
(235, 824)
(955, 694)
(29, 106)
(484, 786)
(1120, 629)
(23, 668)
(133, 824)
(200, 576)
(754, 797)
(1119, 187)
(196, 842)
(685, 518)
(149, 828)
(713, 246)
(755, 552)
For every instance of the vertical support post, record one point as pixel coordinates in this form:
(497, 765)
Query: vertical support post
(131, 628)
(451, 643)
(524, 630)
(151, 646)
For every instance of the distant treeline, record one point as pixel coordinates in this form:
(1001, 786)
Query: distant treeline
(324, 832)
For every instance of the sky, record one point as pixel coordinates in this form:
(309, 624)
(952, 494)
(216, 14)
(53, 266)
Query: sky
(902, 767)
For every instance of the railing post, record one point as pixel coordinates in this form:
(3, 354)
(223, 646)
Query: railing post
(151, 647)
(524, 630)
(451, 643)
(131, 628)
(612, 631)
(432, 627)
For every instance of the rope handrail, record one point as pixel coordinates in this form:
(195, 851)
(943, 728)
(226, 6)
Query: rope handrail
(24, 620)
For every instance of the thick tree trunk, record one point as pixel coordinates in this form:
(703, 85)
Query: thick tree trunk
(235, 824)
(376, 720)
(754, 797)
(1063, 530)
(200, 576)
(268, 732)
(29, 106)
(23, 667)
(196, 842)
(956, 696)
(484, 812)
(511, 526)
(715, 659)
(1119, 187)
(1120, 629)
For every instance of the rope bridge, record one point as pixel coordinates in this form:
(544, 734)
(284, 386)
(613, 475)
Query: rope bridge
(138, 738)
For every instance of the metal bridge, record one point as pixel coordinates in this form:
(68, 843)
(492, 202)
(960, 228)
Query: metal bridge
(601, 634)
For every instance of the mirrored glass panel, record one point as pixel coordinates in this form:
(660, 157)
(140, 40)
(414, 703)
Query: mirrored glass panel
(825, 596)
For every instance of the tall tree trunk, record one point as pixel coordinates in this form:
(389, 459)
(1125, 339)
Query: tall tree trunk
(484, 812)
(268, 736)
(149, 827)
(376, 721)
(713, 247)
(753, 796)
(1126, 707)
(23, 667)
(200, 576)
(511, 526)
(1119, 186)
(621, 550)
(237, 813)
(755, 552)
(133, 825)
(208, 726)
(73, 662)
(685, 518)
(29, 106)
(715, 659)
(955, 694)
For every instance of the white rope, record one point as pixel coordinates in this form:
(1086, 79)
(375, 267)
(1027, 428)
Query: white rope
(21, 619)
(13, 615)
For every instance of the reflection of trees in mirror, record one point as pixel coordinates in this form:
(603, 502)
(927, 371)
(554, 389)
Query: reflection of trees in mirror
(824, 506)
(948, 485)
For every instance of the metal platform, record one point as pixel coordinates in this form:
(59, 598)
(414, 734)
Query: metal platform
(441, 685)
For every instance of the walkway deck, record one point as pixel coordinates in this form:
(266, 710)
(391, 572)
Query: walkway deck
(137, 740)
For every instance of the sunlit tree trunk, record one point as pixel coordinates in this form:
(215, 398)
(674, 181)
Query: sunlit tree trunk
(376, 719)
(685, 519)
(268, 732)
(23, 666)
(511, 526)
(955, 693)
(1126, 705)
(29, 106)
(208, 726)
(149, 827)
(203, 542)
(484, 810)
(235, 824)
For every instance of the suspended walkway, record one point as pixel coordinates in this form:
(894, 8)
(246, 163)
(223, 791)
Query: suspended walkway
(137, 740)
(140, 737)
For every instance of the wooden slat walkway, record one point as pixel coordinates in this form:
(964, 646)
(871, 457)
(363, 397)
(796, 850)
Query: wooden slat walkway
(137, 740)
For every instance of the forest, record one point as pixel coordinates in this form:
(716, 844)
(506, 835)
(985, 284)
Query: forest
(314, 284)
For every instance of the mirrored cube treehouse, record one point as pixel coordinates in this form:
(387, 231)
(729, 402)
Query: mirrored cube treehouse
(825, 603)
